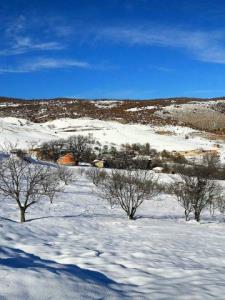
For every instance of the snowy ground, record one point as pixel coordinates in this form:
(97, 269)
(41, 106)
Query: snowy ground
(25, 133)
(79, 248)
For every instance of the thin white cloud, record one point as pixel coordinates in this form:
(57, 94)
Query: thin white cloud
(28, 47)
(45, 64)
(205, 46)
(18, 39)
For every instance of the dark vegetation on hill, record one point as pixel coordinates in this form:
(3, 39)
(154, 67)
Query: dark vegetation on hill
(124, 111)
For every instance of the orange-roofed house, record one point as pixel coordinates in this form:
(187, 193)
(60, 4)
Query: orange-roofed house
(68, 160)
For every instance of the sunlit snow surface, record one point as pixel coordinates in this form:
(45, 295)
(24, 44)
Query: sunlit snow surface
(80, 248)
(24, 132)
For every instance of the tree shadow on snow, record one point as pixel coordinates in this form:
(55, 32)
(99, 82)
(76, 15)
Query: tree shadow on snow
(161, 217)
(7, 219)
(83, 215)
(18, 259)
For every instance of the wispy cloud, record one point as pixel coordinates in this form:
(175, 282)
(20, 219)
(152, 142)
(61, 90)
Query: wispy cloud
(45, 64)
(21, 48)
(205, 46)
(18, 39)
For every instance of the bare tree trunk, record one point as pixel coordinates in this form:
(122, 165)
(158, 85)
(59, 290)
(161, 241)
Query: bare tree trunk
(186, 215)
(197, 216)
(22, 215)
(131, 214)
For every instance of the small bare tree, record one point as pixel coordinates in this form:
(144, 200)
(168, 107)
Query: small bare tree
(65, 174)
(128, 189)
(96, 175)
(27, 183)
(183, 197)
(195, 194)
(219, 204)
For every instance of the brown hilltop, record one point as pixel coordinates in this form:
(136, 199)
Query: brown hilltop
(126, 111)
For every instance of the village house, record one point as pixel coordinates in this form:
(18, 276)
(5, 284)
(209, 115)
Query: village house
(99, 163)
(68, 160)
(34, 152)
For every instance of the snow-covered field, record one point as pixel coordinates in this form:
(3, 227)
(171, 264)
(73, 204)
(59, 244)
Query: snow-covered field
(79, 248)
(24, 133)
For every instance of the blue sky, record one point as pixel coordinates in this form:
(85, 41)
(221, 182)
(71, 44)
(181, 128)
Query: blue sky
(112, 49)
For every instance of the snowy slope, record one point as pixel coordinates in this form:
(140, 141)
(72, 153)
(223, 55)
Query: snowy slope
(27, 276)
(79, 248)
(24, 133)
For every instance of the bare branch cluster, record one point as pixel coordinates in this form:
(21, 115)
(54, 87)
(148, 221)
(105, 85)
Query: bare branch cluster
(195, 194)
(128, 189)
(27, 183)
(96, 175)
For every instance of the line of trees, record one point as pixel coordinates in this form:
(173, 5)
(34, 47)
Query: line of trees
(128, 189)
(195, 187)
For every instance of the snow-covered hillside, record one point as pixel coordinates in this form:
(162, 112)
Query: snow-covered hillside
(80, 248)
(25, 133)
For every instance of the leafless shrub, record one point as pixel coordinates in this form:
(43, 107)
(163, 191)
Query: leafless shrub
(26, 183)
(195, 194)
(211, 161)
(183, 197)
(51, 185)
(82, 171)
(96, 175)
(173, 157)
(219, 204)
(128, 189)
(65, 174)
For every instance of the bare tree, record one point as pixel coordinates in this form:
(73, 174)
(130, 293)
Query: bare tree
(183, 197)
(195, 194)
(211, 160)
(96, 175)
(51, 150)
(81, 146)
(27, 183)
(211, 165)
(128, 189)
(219, 204)
(65, 174)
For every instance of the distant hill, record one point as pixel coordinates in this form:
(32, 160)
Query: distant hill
(209, 113)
